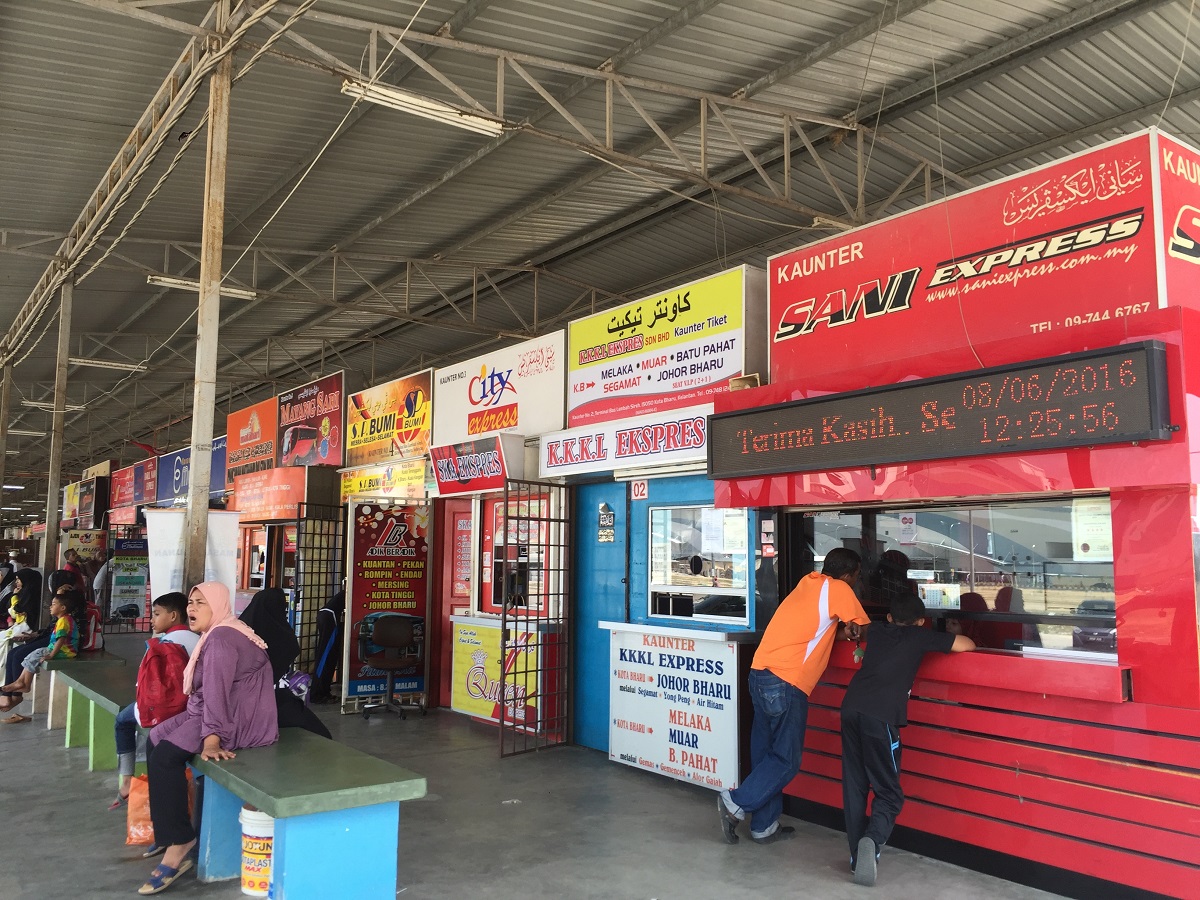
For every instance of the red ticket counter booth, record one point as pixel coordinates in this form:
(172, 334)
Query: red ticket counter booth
(993, 399)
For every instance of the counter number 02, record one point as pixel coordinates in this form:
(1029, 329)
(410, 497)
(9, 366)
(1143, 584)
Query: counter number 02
(639, 490)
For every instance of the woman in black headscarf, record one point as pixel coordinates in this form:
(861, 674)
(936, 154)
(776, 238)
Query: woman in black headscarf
(25, 608)
(267, 615)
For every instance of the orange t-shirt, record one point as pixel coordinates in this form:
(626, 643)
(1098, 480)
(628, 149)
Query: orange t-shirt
(797, 643)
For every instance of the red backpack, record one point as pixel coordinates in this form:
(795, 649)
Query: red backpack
(160, 682)
(91, 629)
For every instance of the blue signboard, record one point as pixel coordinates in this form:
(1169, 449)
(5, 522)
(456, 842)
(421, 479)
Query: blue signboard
(174, 470)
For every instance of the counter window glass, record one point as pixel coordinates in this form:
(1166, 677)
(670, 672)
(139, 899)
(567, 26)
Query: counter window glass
(698, 562)
(1033, 576)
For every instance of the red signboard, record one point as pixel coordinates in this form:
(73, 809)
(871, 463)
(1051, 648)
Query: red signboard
(469, 467)
(1023, 264)
(273, 494)
(251, 443)
(134, 484)
(310, 423)
(390, 567)
(123, 515)
(120, 488)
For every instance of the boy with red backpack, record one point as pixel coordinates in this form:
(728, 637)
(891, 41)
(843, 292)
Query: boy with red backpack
(160, 683)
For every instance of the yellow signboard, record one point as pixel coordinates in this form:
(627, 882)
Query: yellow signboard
(403, 479)
(666, 351)
(476, 688)
(390, 420)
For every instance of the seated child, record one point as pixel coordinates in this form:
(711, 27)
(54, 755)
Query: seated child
(169, 621)
(874, 710)
(65, 608)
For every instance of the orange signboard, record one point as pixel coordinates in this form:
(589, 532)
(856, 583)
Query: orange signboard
(272, 494)
(253, 439)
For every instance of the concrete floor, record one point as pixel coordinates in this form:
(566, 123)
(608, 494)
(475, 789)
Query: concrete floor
(565, 823)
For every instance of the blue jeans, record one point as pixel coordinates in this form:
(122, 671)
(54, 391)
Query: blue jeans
(126, 731)
(776, 742)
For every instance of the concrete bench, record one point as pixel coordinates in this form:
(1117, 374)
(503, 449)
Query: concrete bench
(55, 699)
(330, 803)
(95, 694)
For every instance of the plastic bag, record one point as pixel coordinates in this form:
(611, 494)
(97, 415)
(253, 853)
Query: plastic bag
(139, 829)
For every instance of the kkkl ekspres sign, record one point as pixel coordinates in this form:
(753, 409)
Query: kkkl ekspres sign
(519, 389)
(389, 554)
(669, 350)
(310, 423)
(251, 440)
(1025, 264)
(389, 421)
(175, 473)
(664, 438)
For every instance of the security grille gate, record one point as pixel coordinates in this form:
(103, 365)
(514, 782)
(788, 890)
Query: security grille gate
(531, 559)
(320, 566)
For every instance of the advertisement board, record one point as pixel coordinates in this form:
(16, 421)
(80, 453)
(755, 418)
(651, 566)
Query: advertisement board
(250, 442)
(130, 569)
(517, 389)
(70, 502)
(174, 471)
(471, 467)
(390, 421)
(389, 576)
(672, 349)
(478, 664)
(270, 494)
(1028, 265)
(664, 438)
(86, 542)
(402, 479)
(310, 423)
(673, 705)
(120, 489)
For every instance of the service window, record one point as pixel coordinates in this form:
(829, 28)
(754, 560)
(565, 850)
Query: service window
(699, 563)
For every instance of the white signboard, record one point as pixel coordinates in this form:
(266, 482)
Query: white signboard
(673, 703)
(677, 348)
(665, 438)
(519, 389)
(164, 532)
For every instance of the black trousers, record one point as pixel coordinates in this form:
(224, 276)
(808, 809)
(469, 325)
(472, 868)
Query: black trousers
(870, 761)
(166, 766)
(329, 652)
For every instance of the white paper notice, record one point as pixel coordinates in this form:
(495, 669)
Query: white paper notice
(712, 531)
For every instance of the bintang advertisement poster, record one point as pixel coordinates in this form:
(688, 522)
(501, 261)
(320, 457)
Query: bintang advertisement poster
(251, 442)
(670, 350)
(310, 423)
(389, 421)
(389, 554)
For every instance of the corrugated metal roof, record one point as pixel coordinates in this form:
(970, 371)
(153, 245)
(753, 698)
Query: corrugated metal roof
(980, 88)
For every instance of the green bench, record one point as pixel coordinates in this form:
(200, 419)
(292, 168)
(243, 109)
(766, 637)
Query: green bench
(95, 694)
(330, 802)
(55, 699)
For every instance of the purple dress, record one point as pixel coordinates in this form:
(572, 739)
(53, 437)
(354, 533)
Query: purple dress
(232, 697)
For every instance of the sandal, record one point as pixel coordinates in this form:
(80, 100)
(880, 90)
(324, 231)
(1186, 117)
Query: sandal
(163, 877)
(117, 803)
(154, 850)
(16, 719)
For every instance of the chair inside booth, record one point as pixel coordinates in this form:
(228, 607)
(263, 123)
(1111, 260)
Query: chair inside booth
(393, 643)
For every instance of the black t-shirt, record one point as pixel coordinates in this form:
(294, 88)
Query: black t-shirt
(893, 653)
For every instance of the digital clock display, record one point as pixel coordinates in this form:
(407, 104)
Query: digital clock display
(1115, 395)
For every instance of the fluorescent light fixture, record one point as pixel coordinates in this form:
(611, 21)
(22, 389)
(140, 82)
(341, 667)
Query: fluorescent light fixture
(14, 487)
(10, 508)
(25, 432)
(105, 364)
(49, 405)
(424, 107)
(189, 284)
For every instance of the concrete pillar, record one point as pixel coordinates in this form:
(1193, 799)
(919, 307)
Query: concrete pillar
(5, 412)
(58, 417)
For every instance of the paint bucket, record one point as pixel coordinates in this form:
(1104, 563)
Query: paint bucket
(258, 839)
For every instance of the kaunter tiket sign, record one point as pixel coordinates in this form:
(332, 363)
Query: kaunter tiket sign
(673, 703)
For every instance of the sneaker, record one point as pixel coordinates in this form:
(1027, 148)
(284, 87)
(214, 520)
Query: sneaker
(782, 833)
(729, 822)
(867, 856)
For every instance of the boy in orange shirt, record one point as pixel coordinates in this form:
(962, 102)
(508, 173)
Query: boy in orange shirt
(787, 665)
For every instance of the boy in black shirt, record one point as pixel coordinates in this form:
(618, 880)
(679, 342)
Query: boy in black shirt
(874, 710)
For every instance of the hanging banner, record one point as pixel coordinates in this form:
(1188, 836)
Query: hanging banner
(250, 440)
(389, 576)
(390, 421)
(1027, 265)
(164, 531)
(130, 576)
(402, 479)
(519, 389)
(673, 349)
(310, 423)
(478, 664)
(174, 471)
